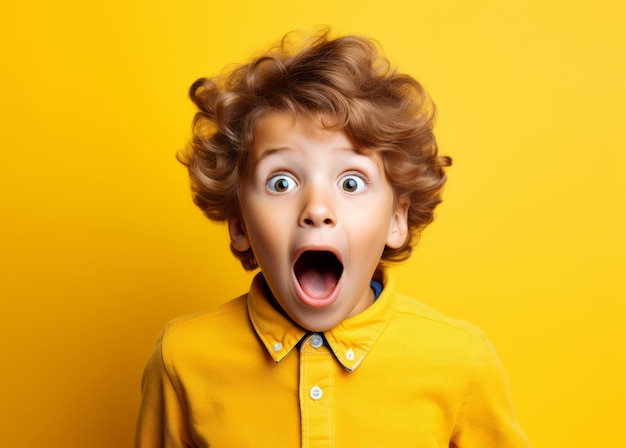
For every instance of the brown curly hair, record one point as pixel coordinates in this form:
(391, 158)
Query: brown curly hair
(346, 79)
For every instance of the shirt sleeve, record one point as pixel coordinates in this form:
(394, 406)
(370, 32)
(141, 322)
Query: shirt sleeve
(487, 418)
(163, 420)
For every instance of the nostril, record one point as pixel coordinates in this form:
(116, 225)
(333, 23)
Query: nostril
(315, 214)
(312, 222)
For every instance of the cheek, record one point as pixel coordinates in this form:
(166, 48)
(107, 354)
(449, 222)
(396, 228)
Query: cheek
(372, 215)
(368, 233)
(266, 229)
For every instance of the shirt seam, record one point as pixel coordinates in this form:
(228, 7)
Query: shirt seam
(469, 396)
(464, 327)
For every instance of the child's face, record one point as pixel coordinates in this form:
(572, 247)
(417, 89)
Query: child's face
(317, 215)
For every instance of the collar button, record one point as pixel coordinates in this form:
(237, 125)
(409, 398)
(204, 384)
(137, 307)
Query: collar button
(316, 341)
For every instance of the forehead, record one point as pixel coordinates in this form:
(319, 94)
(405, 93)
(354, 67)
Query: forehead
(276, 132)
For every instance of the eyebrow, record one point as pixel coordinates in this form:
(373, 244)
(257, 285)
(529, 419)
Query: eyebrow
(270, 151)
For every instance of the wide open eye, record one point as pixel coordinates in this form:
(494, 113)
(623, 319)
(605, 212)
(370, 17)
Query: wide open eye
(281, 183)
(352, 183)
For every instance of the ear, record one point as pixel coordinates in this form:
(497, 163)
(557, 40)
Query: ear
(238, 235)
(399, 228)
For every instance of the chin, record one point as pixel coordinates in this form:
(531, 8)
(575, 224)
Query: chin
(319, 325)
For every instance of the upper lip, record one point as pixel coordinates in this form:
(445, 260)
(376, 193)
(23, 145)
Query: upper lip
(316, 248)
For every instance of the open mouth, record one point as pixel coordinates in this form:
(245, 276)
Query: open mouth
(318, 273)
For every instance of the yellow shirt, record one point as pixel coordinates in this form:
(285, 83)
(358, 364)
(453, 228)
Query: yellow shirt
(399, 374)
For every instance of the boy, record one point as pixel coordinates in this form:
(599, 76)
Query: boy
(323, 163)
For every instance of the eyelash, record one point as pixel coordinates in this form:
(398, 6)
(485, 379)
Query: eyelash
(359, 188)
(274, 178)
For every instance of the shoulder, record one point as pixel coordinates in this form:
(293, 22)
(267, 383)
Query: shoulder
(194, 333)
(426, 326)
(415, 310)
(414, 316)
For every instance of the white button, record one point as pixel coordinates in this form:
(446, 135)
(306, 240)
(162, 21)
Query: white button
(316, 341)
(277, 346)
(350, 355)
(316, 393)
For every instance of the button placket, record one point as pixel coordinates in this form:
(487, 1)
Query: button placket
(316, 363)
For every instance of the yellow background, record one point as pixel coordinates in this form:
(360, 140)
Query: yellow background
(100, 244)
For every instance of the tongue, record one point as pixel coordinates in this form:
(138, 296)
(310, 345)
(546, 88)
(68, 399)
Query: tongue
(317, 284)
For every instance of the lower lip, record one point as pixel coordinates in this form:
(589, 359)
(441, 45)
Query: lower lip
(316, 302)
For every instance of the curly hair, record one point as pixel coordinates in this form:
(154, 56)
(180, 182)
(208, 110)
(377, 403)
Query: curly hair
(345, 79)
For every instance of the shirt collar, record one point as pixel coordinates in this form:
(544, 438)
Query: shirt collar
(350, 341)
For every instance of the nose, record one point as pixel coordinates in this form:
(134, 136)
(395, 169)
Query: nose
(317, 209)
